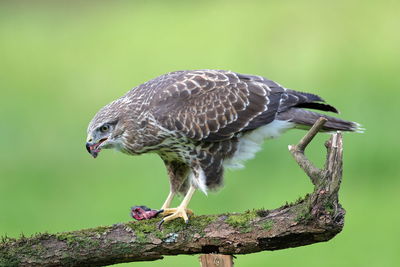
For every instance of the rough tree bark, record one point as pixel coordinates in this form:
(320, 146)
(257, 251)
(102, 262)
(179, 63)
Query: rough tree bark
(317, 217)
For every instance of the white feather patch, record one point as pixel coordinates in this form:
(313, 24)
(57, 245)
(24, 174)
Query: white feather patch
(250, 143)
(199, 180)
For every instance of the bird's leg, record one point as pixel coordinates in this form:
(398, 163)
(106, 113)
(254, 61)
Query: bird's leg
(168, 201)
(181, 210)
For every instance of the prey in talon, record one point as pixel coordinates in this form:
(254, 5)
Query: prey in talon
(144, 213)
(202, 121)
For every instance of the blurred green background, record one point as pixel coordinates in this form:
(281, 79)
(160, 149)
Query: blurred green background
(60, 61)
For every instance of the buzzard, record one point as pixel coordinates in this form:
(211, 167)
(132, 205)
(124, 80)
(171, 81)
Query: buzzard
(202, 121)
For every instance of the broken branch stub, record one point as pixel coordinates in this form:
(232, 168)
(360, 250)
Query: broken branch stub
(326, 181)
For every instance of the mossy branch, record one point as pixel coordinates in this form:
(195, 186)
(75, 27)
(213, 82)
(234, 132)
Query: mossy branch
(316, 218)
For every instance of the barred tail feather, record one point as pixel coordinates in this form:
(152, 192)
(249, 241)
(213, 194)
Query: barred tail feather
(306, 118)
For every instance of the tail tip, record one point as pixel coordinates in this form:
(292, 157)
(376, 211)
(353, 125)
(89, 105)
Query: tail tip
(357, 127)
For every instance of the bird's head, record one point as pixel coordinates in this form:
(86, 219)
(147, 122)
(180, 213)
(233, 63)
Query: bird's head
(105, 130)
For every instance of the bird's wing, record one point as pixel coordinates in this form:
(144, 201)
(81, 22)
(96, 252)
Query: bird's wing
(214, 105)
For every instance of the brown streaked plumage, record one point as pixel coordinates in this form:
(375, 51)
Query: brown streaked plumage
(202, 120)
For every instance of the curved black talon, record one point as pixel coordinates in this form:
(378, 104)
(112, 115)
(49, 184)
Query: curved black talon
(160, 224)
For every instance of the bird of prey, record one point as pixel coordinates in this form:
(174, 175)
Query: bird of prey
(202, 121)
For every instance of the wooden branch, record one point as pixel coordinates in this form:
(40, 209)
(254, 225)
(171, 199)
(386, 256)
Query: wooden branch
(316, 218)
(298, 152)
(216, 260)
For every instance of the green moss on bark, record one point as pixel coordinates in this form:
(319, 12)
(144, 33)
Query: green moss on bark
(242, 222)
(143, 229)
(268, 225)
(303, 213)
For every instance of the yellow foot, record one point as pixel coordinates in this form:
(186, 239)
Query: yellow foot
(174, 213)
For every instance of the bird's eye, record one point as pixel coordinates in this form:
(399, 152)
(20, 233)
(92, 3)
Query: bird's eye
(104, 128)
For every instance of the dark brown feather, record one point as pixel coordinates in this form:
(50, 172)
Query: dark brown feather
(221, 103)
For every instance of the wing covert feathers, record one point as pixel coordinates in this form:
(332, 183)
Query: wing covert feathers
(211, 105)
(214, 105)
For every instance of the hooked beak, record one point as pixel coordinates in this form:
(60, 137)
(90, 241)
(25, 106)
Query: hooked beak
(94, 148)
